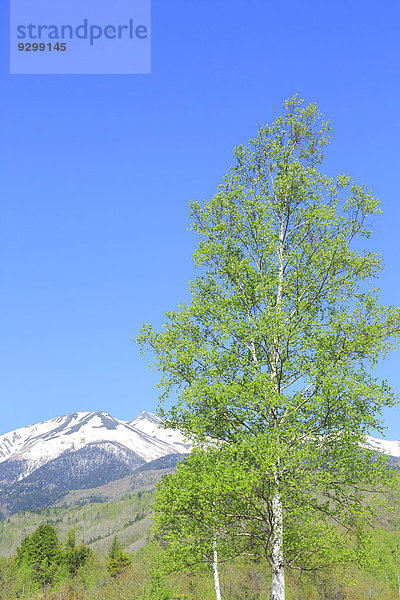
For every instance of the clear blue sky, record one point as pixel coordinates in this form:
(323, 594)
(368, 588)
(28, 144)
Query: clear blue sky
(97, 172)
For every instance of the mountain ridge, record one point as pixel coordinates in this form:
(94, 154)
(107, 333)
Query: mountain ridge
(76, 451)
(80, 450)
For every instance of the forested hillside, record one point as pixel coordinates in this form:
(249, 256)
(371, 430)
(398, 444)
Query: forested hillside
(120, 507)
(109, 544)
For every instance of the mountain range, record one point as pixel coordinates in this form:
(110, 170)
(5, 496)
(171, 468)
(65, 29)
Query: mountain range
(80, 450)
(39, 463)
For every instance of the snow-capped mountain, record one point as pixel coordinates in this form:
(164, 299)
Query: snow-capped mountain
(40, 462)
(152, 425)
(389, 447)
(78, 450)
(38, 444)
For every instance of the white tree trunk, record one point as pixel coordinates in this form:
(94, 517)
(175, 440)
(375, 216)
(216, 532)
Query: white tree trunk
(278, 570)
(215, 569)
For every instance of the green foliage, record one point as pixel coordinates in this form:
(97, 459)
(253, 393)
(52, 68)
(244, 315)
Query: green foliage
(272, 357)
(241, 579)
(195, 512)
(385, 566)
(42, 560)
(74, 556)
(157, 586)
(117, 559)
(8, 578)
(97, 521)
(41, 554)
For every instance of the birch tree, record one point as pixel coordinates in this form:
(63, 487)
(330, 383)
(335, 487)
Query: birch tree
(198, 517)
(275, 351)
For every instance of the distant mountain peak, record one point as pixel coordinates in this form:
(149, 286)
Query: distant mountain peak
(35, 445)
(148, 416)
(93, 444)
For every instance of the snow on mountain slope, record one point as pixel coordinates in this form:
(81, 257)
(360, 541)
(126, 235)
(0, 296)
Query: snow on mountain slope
(33, 446)
(390, 447)
(14, 441)
(152, 425)
(85, 446)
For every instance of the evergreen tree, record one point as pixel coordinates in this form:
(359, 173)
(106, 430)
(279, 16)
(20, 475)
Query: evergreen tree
(74, 555)
(117, 559)
(41, 552)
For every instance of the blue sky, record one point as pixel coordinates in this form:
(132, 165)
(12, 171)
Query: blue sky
(97, 172)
